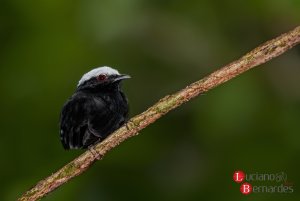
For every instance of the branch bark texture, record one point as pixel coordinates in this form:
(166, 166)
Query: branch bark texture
(259, 55)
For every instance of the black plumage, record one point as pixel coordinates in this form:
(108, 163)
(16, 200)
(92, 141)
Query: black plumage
(97, 108)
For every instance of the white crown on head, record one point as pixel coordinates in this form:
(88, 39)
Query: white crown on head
(97, 71)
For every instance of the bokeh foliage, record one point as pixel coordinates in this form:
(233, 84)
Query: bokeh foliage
(250, 123)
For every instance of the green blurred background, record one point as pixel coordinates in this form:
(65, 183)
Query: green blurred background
(250, 123)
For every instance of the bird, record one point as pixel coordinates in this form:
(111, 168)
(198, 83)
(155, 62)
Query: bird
(97, 108)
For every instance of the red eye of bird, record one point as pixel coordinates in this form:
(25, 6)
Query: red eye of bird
(101, 77)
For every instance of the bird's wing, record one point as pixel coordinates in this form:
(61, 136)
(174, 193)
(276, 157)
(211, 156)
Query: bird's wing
(85, 120)
(74, 121)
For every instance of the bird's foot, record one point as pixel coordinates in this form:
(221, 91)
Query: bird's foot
(130, 124)
(94, 152)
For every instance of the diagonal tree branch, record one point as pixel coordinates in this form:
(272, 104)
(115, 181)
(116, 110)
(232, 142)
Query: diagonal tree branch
(259, 55)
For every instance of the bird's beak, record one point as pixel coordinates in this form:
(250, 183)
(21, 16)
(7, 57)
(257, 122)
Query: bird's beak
(122, 77)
